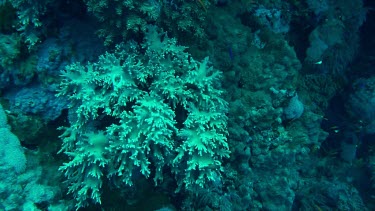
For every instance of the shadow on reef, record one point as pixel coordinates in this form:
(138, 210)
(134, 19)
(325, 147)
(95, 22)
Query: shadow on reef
(347, 147)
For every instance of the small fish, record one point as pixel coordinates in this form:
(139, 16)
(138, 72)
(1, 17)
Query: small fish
(231, 55)
(319, 62)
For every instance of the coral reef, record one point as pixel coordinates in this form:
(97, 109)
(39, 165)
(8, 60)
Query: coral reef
(190, 105)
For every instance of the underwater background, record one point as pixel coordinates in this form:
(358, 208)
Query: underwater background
(161, 105)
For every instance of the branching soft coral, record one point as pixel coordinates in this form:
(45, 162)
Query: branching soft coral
(155, 106)
(123, 19)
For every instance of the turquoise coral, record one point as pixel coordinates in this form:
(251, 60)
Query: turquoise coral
(162, 108)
